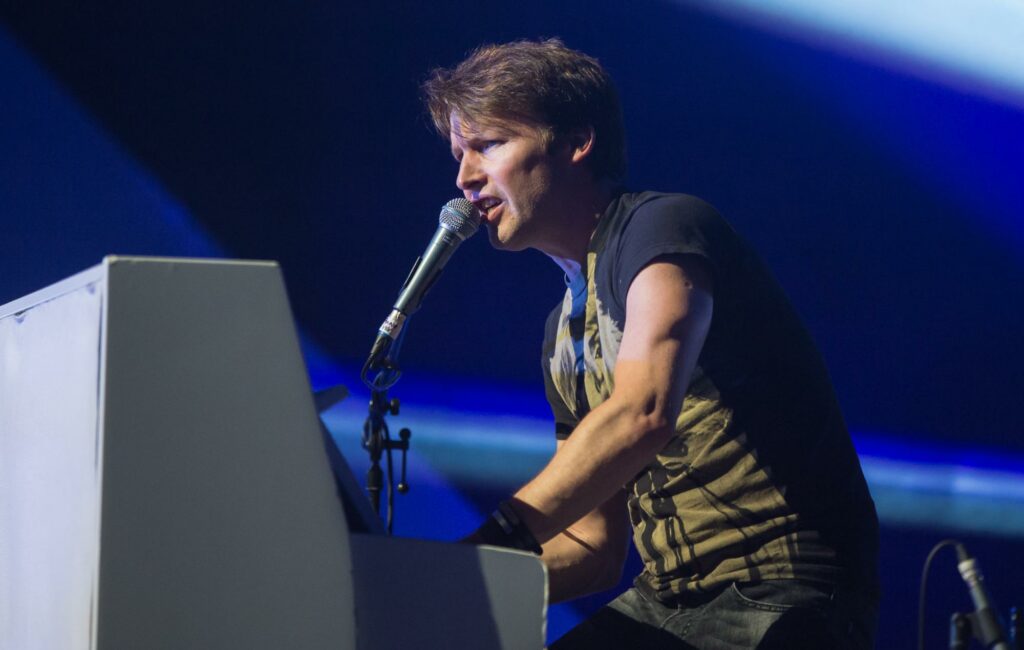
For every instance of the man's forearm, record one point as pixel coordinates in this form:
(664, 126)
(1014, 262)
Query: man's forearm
(608, 448)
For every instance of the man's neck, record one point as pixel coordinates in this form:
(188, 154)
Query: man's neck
(569, 251)
(571, 268)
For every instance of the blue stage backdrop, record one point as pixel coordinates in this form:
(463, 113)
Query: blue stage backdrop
(880, 178)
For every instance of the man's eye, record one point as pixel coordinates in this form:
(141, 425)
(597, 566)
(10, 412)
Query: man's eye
(490, 144)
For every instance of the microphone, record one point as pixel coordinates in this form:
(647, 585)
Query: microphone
(988, 629)
(459, 220)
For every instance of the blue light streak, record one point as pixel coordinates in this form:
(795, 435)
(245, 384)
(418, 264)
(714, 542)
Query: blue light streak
(974, 46)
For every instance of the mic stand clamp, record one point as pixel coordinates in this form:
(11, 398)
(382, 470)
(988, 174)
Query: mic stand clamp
(377, 440)
(964, 627)
(959, 631)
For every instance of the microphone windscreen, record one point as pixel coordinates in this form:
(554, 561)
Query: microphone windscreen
(461, 217)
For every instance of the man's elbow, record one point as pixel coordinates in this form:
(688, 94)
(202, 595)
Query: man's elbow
(651, 419)
(647, 402)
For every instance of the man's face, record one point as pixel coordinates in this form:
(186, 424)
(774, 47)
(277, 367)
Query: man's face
(509, 172)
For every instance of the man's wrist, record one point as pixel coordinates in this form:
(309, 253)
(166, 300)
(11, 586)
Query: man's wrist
(506, 528)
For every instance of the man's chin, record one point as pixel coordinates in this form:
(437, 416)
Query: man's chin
(498, 242)
(507, 246)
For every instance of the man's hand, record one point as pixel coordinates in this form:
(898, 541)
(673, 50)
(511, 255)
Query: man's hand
(588, 556)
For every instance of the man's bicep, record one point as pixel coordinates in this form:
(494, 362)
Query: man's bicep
(668, 314)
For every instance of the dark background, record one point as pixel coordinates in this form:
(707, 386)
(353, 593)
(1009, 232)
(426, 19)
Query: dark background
(888, 206)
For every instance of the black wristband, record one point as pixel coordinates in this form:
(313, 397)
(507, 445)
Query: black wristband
(505, 528)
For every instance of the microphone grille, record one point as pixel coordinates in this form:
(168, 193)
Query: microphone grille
(461, 217)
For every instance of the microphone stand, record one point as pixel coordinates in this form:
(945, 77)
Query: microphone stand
(376, 435)
(457, 221)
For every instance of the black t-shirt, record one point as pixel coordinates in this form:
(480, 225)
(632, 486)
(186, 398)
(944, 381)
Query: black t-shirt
(761, 480)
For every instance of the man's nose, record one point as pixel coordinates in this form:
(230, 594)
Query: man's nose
(470, 176)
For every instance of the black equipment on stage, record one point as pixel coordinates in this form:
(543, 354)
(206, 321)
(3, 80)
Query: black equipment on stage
(983, 624)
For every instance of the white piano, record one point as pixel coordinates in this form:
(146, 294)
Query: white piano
(164, 485)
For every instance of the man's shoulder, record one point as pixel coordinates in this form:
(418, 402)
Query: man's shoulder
(673, 204)
(646, 225)
(646, 219)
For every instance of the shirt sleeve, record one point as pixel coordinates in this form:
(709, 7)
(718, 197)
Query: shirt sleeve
(666, 225)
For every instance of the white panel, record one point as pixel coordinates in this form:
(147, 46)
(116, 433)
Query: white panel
(221, 525)
(49, 474)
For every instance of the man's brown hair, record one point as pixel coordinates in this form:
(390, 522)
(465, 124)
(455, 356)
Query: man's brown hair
(541, 83)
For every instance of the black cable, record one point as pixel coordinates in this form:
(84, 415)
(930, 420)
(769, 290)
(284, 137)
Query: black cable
(391, 481)
(924, 585)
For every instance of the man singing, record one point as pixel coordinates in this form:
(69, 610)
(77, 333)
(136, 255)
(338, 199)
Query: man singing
(690, 404)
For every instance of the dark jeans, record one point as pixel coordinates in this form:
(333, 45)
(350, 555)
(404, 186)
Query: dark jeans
(774, 614)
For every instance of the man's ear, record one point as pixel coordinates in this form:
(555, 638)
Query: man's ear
(581, 141)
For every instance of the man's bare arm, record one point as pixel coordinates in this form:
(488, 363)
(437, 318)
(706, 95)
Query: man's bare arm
(668, 313)
(588, 556)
